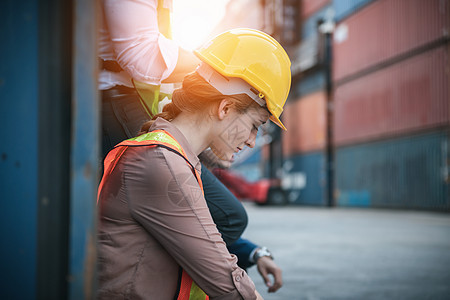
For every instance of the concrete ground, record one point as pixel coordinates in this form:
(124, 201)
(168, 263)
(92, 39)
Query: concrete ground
(356, 254)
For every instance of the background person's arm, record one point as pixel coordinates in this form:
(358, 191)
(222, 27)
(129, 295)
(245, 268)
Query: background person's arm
(148, 56)
(186, 63)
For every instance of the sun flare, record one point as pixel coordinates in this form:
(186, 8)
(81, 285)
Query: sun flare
(194, 20)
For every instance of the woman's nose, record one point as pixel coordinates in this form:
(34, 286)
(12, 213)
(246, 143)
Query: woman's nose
(251, 140)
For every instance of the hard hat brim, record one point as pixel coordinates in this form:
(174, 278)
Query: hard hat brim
(277, 121)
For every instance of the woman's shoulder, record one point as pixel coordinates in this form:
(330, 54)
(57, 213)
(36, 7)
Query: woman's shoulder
(158, 169)
(151, 158)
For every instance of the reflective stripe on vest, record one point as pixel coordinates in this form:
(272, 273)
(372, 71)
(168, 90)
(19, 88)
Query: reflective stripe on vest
(188, 289)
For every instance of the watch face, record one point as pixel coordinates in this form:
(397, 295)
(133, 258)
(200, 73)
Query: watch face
(263, 252)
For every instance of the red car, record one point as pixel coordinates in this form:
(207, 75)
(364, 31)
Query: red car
(264, 191)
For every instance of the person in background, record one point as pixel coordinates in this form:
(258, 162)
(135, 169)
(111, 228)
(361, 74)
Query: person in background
(139, 64)
(218, 197)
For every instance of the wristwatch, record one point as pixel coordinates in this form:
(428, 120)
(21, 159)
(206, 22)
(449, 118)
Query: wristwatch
(262, 252)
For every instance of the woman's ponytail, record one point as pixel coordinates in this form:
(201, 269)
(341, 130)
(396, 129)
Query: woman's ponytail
(170, 111)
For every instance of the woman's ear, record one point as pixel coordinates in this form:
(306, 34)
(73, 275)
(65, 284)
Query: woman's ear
(224, 108)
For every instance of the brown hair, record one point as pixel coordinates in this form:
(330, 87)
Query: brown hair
(196, 95)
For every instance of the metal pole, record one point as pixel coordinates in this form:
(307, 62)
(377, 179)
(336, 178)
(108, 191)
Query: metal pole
(85, 149)
(326, 28)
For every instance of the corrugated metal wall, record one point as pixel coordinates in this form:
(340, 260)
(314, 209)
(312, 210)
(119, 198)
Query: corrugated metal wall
(389, 110)
(309, 26)
(408, 172)
(248, 162)
(344, 8)
(411, 95)
(46, 152)
(306, 121)
(386, 29)
(305, 174)
(311, 6)
(251, 172)
(314, 81)
(85, 149)
(19, 103)
(392, 104)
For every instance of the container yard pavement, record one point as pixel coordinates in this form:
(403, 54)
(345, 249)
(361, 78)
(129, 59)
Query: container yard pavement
(348, 254)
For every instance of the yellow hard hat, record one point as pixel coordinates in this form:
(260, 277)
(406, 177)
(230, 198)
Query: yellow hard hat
(255, 57)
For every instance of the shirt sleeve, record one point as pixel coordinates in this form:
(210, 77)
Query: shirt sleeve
(245, 250)
(165, 198)
(139, 47)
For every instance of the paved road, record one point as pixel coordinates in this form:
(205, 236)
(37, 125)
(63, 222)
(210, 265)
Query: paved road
(354, 253)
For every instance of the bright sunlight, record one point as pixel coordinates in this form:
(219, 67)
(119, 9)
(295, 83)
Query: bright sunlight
(194, 20)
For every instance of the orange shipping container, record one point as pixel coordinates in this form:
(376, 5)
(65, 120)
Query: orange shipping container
(386, 29)
(410, 96)
(305, 120)
(311, 6)
(265, 152)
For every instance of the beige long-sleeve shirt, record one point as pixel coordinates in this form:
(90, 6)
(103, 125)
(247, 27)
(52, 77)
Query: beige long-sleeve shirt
(130, 34)
(153, 220)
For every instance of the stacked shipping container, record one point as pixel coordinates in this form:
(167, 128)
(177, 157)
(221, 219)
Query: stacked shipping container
(387, 30)
(406, 172)
(305, 117)
(391, 83)
(307, 124)
(407, 96)
(344, 8)
(311, 6)
(303, 146)
(391, 105)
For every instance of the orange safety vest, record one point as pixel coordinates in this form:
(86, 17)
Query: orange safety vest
(187, 289)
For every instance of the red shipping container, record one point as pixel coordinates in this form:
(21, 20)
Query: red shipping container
(385, 29)
(409, 96)
(311, 6)
(265, 149)
(288, 119)
(305, 120)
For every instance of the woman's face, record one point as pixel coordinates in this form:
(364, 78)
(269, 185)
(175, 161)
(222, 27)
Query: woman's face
(238, 130)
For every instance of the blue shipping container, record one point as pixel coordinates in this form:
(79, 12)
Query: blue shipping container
(305, 177)
(312, 83)
(309, 26)
(247, 156)
(248, 164)
(345, 8)
(408, 172)
(19, 146)
(251, 172)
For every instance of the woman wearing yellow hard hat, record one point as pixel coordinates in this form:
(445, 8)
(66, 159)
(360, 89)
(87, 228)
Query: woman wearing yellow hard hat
(258, 59)
(157, 239)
